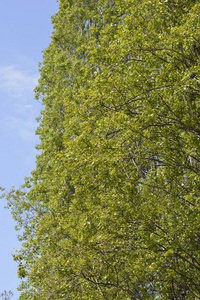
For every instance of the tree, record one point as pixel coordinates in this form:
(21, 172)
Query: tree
(6, 295)
(112, 209)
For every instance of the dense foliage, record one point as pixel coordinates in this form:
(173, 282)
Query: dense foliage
(112, 209)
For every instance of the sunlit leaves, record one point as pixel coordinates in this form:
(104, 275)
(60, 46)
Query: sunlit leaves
(112, 208)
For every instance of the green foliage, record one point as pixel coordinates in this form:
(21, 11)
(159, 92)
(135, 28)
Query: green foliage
(6, 295)
(112, 209)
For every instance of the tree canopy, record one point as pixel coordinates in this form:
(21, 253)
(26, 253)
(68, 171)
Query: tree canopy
(111, 210)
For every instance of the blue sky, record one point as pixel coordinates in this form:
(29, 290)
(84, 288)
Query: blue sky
(25, 27)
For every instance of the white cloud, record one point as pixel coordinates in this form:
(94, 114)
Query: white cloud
(17, 104)
(11, 125)
(16, 82)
